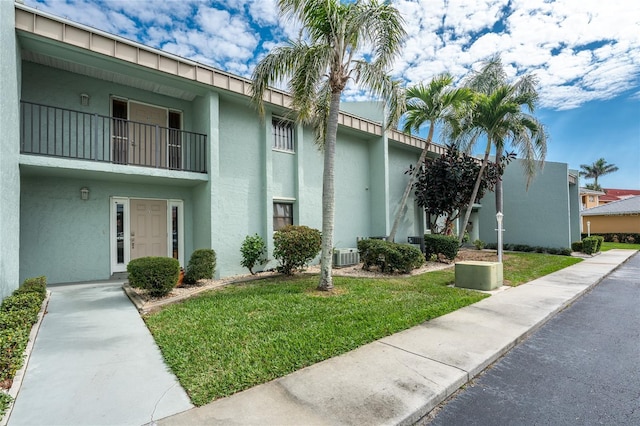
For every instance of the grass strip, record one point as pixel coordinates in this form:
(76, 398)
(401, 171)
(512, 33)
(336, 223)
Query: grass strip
(625, 246)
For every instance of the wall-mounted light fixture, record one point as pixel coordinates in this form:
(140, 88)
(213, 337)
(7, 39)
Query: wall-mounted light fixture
(84, 99)
(84, 193)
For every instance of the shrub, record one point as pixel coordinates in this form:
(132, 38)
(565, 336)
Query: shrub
(202, 266)
(389, 256)
(294, 246)
(410, 258)
(589, 245)
(34, 285)
(157, 275)
(621, 237)
(254, 252)
(600, 240)
(565, 251)
(441, 244)
(13, 343)
(26, 305)
(576, 246)
(479, 244)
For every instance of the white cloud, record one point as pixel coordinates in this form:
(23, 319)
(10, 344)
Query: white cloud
(581, 50)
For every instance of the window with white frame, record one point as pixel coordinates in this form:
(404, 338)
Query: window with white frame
(282, 215)
(283, 139)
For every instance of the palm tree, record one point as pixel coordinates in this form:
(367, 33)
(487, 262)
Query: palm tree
(435, 103)
(500, 118)
(318, 67)
(597, 169)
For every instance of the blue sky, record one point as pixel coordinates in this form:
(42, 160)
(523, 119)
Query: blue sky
(585, 54)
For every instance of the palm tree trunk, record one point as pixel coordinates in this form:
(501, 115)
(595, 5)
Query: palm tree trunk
(328, 195)
(476, 188)
(407, 190)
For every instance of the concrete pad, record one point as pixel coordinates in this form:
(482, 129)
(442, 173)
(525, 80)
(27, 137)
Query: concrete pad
(95, 362)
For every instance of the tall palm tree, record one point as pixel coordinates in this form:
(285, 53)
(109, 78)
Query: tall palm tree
(434, 103)
(318, 66)
(597, 169)
(491, 76)
(499, 117)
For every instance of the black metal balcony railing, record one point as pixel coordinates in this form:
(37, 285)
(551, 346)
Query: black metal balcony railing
(60, 132)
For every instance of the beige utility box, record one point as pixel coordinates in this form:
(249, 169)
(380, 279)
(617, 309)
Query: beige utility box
(479, 275)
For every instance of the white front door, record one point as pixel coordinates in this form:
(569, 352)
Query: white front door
(145, 227)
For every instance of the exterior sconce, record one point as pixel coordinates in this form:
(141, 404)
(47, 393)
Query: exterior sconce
(84, 99)
(84, 193)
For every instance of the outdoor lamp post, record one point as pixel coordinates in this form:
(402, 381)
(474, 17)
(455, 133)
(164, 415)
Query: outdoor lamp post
(499, 217)
(588, 228)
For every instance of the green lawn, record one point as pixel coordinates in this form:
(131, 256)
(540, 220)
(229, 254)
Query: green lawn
(232, 339)
(520, 268)
(608, 246)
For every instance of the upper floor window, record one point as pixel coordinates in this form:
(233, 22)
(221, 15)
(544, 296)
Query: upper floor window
(592, 198)
(283, 139)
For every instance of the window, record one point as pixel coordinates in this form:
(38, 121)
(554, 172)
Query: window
(592, 198)
(282, 215)
(283, 135)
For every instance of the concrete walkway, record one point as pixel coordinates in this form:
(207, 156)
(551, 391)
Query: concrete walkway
(398, 379)
(95, 362)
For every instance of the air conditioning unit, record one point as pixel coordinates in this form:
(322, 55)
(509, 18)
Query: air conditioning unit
(346, 257)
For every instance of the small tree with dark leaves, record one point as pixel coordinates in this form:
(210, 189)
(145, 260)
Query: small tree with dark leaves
(444, 186)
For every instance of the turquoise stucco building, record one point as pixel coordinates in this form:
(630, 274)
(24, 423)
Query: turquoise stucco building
(113, 150)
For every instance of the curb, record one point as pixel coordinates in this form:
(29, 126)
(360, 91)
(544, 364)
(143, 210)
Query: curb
(19, 376)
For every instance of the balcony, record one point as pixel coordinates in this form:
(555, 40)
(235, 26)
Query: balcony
(60, 132)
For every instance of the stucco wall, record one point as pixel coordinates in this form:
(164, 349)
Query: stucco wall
(539, 216)
(399, 161)
(54, 87)
(67, 239)
(612, 224)
(9, 150)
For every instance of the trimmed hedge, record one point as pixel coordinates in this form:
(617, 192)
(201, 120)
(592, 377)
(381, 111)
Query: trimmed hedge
(562, 251)
(389, 256)
(448, 246)
(157, 275)
(294, 246)
(576, 246)
(618, 237)
(590, 245)
(18, 313)
(202, 266)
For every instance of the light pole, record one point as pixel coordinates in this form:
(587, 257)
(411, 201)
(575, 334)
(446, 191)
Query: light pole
(499, 217)
(588, 228)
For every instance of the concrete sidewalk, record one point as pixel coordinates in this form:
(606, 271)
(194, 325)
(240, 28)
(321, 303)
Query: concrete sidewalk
(95, 362)
(398, 379)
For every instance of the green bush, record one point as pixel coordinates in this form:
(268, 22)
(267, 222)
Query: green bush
(448, 246)
(5, 401)
(576, 246)
(157, 275)
(254, 252)
(26, 305)
(34, 285)
(479, 244)
(589, 245)
(13, 343)
(295, 246)
(389, 256)
(202, 266)
(619, 237)
(600, 240)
